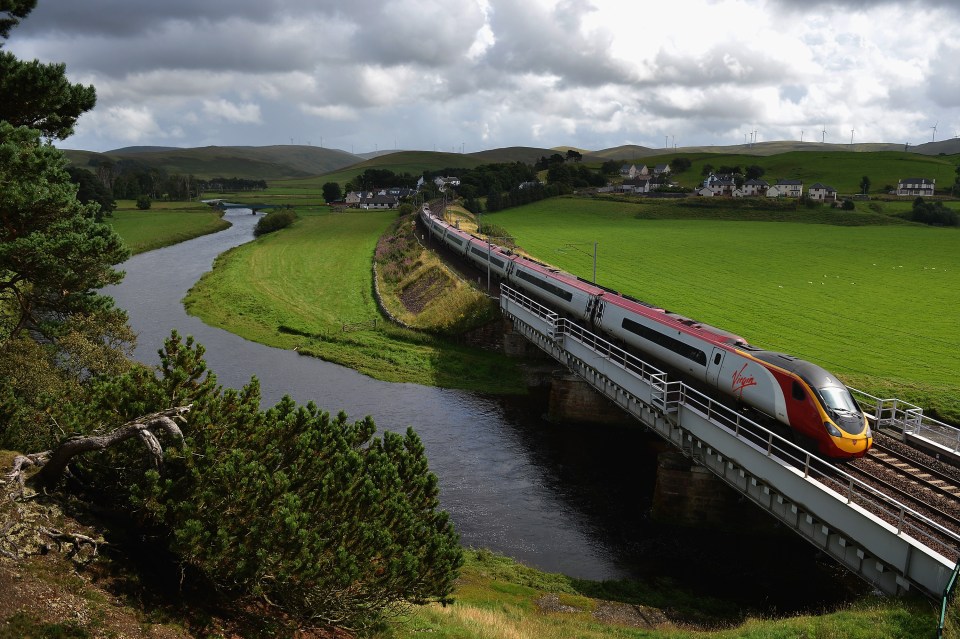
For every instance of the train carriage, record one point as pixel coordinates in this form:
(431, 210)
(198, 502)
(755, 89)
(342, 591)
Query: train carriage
(805, 397)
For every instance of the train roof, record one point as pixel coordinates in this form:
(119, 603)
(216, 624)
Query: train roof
(808, 371)
(679, 322)
(555, 273)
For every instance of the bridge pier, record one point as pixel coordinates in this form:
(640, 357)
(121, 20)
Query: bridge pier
(574, 400)
(690, 495)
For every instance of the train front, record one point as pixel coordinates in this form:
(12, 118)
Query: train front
(848, 433)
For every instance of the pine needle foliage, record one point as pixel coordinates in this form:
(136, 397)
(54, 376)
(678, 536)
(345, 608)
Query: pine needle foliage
(308, 511)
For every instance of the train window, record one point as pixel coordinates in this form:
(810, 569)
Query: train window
(547, 286)
(675, 345)
(716, 358)
(798, 393)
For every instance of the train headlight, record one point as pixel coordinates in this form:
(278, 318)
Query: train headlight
(868, 433)
(833, 430)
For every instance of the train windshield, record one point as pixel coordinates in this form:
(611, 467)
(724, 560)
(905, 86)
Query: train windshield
(839, 399)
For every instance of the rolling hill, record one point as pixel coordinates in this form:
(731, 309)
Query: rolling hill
(293, 162)
(251, 162)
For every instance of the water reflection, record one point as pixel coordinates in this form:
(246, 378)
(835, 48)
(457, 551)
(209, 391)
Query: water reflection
(498, 474)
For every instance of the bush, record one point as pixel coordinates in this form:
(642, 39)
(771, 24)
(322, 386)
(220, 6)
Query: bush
(274, 221)
(144, 202)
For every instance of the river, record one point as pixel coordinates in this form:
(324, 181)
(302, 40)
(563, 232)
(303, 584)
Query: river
(564, 499)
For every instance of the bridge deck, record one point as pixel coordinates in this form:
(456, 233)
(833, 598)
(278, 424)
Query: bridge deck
(872, 534)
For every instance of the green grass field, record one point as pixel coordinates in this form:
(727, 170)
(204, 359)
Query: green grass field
(165, 223)
(877, 305)
(310, 287)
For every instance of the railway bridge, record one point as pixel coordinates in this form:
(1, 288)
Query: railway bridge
(869, 532)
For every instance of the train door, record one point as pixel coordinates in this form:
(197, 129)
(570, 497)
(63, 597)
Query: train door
(714, 365)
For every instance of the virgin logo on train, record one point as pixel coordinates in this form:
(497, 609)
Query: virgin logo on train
(741, 381)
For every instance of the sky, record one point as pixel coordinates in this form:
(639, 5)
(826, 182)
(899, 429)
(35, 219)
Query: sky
(470, 75)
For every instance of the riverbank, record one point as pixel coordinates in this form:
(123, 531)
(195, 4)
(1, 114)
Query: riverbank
(164, 224)
(309, 288)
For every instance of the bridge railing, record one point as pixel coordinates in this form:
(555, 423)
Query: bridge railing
(907, 419)
(676, 394)
(828, 474)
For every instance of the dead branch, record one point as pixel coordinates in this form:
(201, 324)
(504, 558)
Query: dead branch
(76, 539)
(54, 463)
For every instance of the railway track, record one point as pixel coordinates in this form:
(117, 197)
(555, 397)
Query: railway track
(919, 482)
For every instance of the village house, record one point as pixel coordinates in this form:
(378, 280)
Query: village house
(379, 201)
(443, 182)
(786, 188)
(755, 187)
(822, 193)
(635, 185)
(661, 169)
(916, 186)
(719, 185)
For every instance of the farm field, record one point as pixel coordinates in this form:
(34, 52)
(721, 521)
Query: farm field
(309, 287)
(877, 305)
(165, 223)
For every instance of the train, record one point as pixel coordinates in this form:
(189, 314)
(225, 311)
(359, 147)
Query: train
(814, 406)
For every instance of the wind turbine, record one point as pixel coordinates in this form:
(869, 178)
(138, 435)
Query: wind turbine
(933, 138)
(824, 138)
(851, 136)
(801, 136)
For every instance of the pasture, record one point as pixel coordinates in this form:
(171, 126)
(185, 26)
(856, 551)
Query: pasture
(878, 305)
(310, 287)
(165, 223)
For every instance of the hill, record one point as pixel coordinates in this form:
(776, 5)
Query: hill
(250, 162)
(298, 162)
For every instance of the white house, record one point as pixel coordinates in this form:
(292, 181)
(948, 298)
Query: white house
(628, 171)
(822, 193)
(755, 187)
(635, 185)
(916, 186)
(379, 201)
(661, 169)
(721, 185)
(786, 188)
(443, 182)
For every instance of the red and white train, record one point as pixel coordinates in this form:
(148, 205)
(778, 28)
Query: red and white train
(799, 394)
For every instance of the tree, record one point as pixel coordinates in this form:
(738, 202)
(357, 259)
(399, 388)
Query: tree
(39, 96)
(755, 172)
(14, 10)
(576, 156)
(144, 202)
(679, 165)
(54, 255)
(864, 184)
(90, 189)
(331, 192)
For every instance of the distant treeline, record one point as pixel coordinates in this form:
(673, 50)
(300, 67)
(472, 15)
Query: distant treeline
(106, 180)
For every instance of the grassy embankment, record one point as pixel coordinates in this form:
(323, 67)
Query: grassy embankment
(875, 303)
(496, 598)
(309, 287)
(165, 223)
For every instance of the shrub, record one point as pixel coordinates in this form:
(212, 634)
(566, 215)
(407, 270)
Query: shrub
(143, 202)
(274, 221)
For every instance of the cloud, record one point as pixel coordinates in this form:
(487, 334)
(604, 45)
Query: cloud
(500, 72)
(229, 112)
